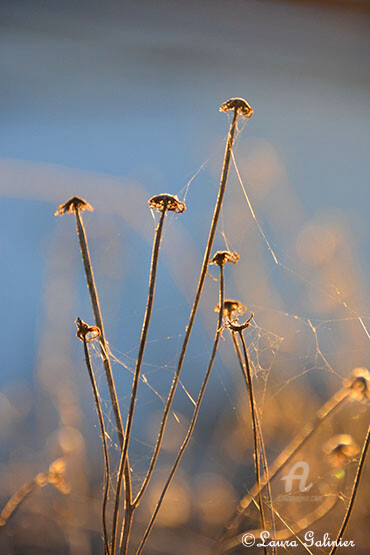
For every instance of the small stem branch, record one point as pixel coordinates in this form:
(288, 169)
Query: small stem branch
(203, 273)
(104, 442)
(260, 436)
(194, 417)
(248, 377)
(355, 489)
(16, 500)
(139, 360)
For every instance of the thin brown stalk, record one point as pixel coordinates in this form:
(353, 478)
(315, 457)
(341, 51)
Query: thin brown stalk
(104, 442)
(253, 408)
(103, 344)
(355, 488)
(98, 319)
(55, 476)
(224, 175)
(285, 456)
(260, 436)
(139, 360)
(16, 500)
(193, 421)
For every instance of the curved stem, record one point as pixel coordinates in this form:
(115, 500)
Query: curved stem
(139, 360)
(191, 427)
(252, 402)
(355, 489)
(103, 344)
(260, 437)
(203, 273)
(104, 442)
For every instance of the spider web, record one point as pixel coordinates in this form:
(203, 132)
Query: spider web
(264, 345)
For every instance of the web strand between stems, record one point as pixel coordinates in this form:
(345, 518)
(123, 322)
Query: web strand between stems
(194, 417)
(139, 360)
(285, 456)
(189, 327)
(103, 344)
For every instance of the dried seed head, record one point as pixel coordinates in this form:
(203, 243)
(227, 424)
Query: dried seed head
(167, 202)
(232, 309)
(359, 384)
(340, 449)
(221, 257)
(234, 326)
(240, 105)
(73, 204)
(86, 332)
(56, 476)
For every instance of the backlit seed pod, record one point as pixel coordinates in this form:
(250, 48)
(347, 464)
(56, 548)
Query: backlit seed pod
(86, 332)
(73, 204)
(340, 449)
(232, 309)
(240, 105)
(167, 202)
(221, 257)
(359, 384)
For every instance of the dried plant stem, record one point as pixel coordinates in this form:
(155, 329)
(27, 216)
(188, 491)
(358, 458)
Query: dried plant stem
(130, 417)
(191, 427)
(286, 455)
(104, 442)
(203, 273)
(98, 319)
(16, 499)
(103, 344)
(41, 480)
(355, 489)
(260, 437)
(252, 402)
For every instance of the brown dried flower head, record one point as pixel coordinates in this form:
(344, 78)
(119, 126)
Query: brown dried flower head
(239, 328)
(73, 204)
(167, 202)
(232, 309)
(221, 257)
(340, 449)
(240, 105)
(85, 332)
(359, 384)
(56, 476)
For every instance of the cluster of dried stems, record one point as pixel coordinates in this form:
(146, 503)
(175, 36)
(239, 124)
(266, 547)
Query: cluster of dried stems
(117, 528)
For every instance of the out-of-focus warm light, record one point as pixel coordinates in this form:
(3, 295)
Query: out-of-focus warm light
(316, 244)
(215, 499)
(175, 509)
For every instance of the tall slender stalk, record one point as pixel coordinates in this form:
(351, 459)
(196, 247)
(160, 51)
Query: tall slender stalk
(253, 408)
(260, 437)
(354, 492)
(76, 205)
(163, 203)
(191, 427)
(82, 333)
(240, 107)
